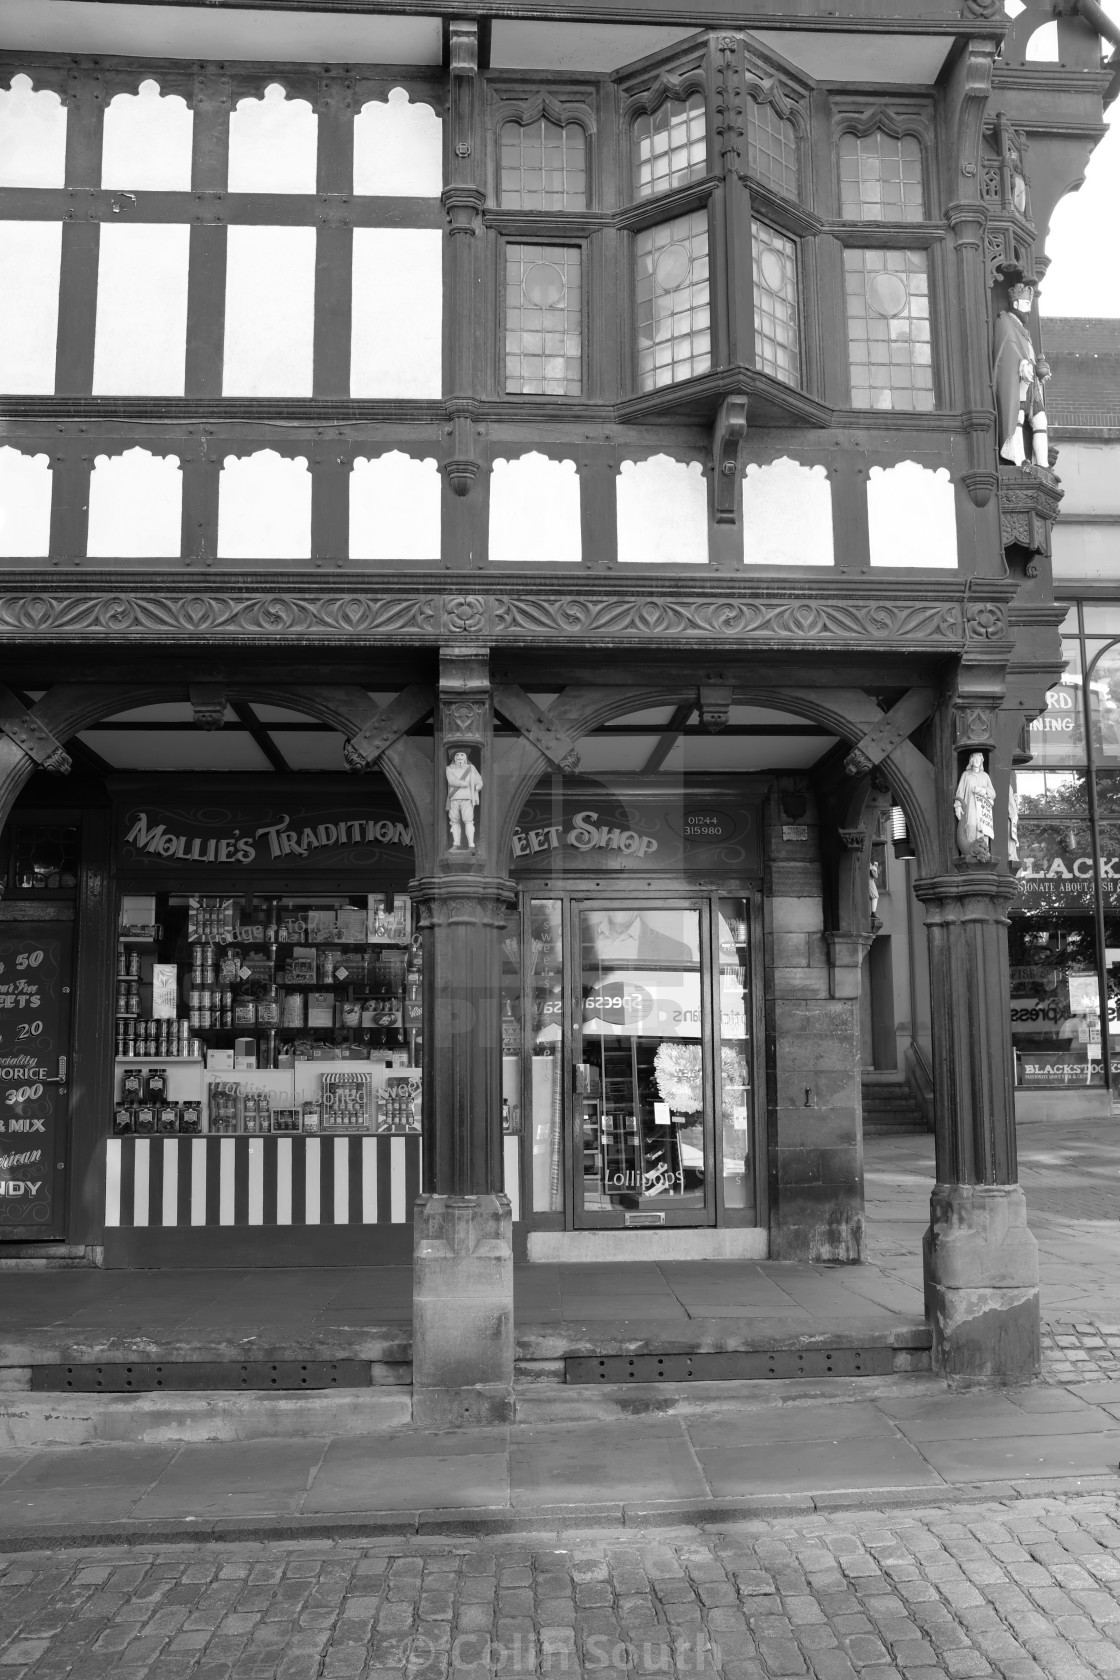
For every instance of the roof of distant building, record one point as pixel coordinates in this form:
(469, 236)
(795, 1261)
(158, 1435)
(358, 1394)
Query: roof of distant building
(1084, 354)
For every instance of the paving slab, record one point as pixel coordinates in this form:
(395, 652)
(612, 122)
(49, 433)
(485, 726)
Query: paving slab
(1012, 1457)
(414, 1470)
(242, 1478)
(977, 1417)
(879, 1461)
(596, 1461)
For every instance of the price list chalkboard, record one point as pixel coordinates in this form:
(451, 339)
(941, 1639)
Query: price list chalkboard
(34, 1102)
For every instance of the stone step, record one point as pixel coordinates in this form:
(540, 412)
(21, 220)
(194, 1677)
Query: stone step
(29, 1421)
(890, 1108)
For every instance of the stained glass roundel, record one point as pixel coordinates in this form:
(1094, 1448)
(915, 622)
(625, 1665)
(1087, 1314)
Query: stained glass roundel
(886, 293)
(673, 267)
(773, 271)
(543, 285)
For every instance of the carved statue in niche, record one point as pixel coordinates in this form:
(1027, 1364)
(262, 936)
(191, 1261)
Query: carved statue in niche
(873, 896)
(1013, 825)
(1019, 375)
(973, 807)
(464, 784)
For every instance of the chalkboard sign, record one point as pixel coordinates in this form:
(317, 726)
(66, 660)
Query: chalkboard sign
(34, 1058)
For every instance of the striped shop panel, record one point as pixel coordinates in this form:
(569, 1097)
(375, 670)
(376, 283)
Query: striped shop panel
(185, 1181)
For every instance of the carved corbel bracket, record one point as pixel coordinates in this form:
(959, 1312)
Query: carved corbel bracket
(23, 728)
(729, 433)
(363, 750)
(981, 486)
(208, 704)
(974, 728)
(463, 205)
(537, 727)
(893, 728)
(464, 464)
(852, 839)
(1029, 503)
(715, 706)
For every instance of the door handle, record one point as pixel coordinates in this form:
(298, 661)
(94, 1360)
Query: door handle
(56, 1079)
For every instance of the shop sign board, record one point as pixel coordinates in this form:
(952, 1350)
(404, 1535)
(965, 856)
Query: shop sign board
(1056, 875)
(1055, 1069)
(34, 1053)
(214, 832)
(584, 825)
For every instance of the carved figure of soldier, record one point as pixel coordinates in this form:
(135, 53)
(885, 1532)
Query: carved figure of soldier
(464, 784)
(1019, 376)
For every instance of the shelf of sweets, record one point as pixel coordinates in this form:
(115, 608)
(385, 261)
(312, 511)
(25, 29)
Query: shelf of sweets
(158, 1060)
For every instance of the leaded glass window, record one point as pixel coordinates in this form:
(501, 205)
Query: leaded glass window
(776, 334)
(543, 166)
(889, 329)
(672, 301)
(881, 178)
(772, 148)
(670, 145)
(544, 320)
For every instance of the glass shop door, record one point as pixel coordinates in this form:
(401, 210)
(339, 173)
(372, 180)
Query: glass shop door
(644, 1099)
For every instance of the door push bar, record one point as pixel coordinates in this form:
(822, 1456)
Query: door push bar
(59, 1078)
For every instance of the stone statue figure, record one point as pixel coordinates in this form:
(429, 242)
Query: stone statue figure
(1012, 823)
(873, 889)
(973, 806)
(464, 784)
(1019, 376)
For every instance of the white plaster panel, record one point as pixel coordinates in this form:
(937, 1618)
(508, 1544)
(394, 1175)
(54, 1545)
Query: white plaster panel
(270, 312)
(147, 143)
(912, 516)
(264, 508)
(160, 31)
(25, 505)
(397, 340)
(395, 508)
(140, 345)
(135, 506)
(787, 515)
(32, 136)
(273, 144)
(1090, 479)
(662, 512)
(1091, 552)
(535, 510)
(398, 149)
(30, 260)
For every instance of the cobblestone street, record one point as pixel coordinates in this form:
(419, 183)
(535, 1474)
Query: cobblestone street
(1019, 1591)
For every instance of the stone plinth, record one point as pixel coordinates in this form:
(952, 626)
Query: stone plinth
(981, 1269)
(462, 1311)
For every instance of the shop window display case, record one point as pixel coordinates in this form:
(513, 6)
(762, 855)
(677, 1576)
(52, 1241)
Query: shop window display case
(267, 1014)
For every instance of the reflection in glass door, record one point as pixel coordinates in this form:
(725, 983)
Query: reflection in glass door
(643, 1079)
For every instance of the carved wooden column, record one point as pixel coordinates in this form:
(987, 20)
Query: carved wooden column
(463, 1271)
(464, 198)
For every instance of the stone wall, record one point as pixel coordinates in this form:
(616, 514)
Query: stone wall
(812, 1050)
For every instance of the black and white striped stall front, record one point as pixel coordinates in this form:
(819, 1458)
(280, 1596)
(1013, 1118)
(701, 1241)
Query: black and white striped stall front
(281, 1201)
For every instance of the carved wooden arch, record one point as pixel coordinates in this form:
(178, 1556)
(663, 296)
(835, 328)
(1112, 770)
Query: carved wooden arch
(562, 112)
(649, 99)
(365, 94)
(887, 118)
(67, 709)
(1035, 16)
(172, 82)
(767, 89)
(849, 713)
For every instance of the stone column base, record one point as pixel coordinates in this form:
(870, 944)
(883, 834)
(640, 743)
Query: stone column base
(462, 1311)
(981, 1283)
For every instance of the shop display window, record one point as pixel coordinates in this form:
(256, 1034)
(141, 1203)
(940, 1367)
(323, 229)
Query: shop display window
(267, 1013)
(546, 1038)
(1058, 736)
(1055, 1000)
(735, 1052)
(43, 858)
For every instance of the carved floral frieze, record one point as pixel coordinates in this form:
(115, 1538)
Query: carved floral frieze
(431, 617)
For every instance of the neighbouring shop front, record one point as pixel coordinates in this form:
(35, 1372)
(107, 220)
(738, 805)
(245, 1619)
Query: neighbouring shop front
(1065, 925)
